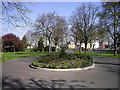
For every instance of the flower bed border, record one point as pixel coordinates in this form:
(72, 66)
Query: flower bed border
(72, 69)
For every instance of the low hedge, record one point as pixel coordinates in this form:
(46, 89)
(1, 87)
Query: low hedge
(68, 61)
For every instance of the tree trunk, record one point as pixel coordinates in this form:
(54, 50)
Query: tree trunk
(115, 48)
(49, 46)
(80, 47)
(91, 46)
(55, 48)
(75, 45)
(46, 41)
(115, 38)
(11, 49)
(108, 43)
(85, 46)
(30, 45)
(14, 49)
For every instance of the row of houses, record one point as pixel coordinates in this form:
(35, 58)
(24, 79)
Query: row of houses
(94, 45)
(90, 46)
(71, 45)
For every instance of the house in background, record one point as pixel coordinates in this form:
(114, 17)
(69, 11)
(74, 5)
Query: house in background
(102, 46)
(92, 46)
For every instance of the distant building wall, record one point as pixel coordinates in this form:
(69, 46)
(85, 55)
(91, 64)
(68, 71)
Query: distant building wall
(95, 45)
(71, 46)
(29, 47)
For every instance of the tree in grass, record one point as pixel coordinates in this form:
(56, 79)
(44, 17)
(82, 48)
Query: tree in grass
(40, 44)
(59, 30)
(84, 21)
(44, 25)
(52, 27)
(12, 43)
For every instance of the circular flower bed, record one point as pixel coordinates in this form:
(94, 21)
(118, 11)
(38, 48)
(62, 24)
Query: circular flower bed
(63, 62)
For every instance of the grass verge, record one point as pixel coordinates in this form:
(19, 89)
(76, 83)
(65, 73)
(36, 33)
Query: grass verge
(99, 53)
(11, 55)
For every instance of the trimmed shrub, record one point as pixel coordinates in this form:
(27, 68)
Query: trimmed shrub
(24, 40)
(40, 44)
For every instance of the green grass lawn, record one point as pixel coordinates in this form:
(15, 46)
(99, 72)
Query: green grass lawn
(11, 55)
(100, 53)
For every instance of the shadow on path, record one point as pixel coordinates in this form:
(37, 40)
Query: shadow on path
(9, 82)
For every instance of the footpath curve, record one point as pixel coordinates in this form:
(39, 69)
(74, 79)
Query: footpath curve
(16, 73)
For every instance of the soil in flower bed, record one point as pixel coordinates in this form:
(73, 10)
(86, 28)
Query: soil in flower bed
(63, 62)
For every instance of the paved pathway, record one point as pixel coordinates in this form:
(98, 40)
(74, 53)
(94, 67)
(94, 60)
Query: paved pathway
(16, 73)
(69, 51)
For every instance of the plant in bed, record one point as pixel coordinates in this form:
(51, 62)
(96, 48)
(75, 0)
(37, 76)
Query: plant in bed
(56, 61)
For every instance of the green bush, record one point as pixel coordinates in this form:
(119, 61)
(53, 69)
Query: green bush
(40, 44)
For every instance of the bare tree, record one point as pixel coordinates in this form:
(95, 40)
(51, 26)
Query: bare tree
(59, 30)
(76, 31)
(75, 36)
(52, 27)
(45, 25)
(86, 21)
(102, 34)
(32, 38)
